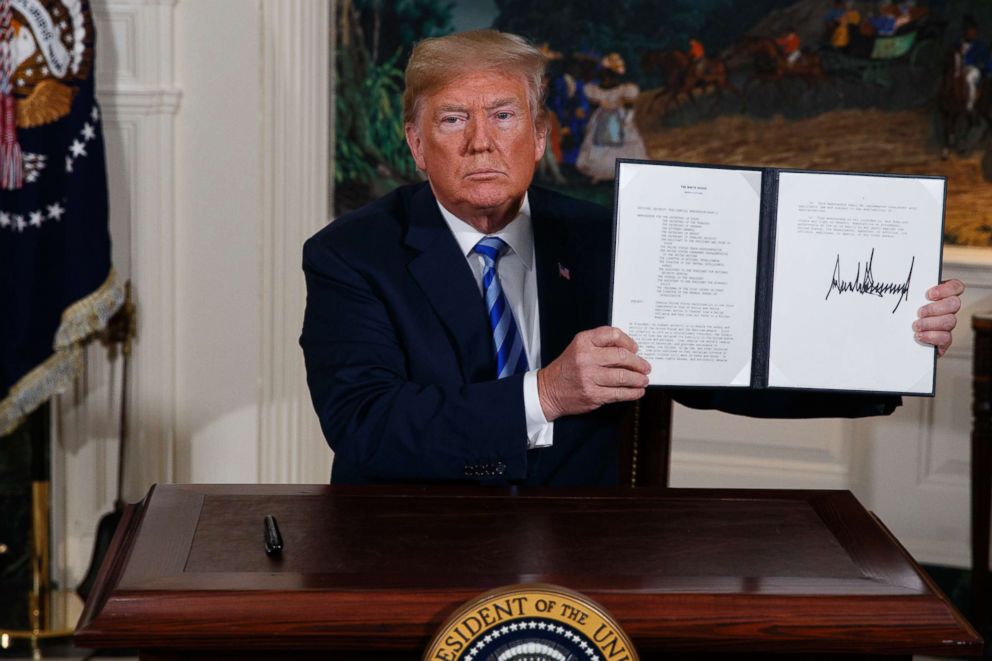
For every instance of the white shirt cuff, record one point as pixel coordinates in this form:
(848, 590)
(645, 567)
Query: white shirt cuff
(540, 432)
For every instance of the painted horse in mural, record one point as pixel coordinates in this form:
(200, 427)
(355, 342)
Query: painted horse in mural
(771, 65)
(957, 124)
(682, 76)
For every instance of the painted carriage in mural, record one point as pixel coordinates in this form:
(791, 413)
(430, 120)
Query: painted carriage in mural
(870, 58)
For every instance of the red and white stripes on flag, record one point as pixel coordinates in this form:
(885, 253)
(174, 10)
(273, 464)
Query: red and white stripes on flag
(11, 165)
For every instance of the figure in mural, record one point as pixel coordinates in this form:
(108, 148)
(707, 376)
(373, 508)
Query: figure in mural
(884, 20)
(790, 45)
(911, 13)
(890, 18)
(611, 133)
(841, 20)
(547, 168)
(961, 103)
(697, 55)
(568, 102)
(973, 52)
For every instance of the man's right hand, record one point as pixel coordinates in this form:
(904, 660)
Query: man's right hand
(598, 367)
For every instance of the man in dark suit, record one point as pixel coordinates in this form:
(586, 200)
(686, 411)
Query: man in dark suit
(455, 329)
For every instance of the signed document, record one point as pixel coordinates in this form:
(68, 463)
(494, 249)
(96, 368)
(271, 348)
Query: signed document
(767, 278)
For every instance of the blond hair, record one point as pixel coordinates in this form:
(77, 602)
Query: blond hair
(438, 60)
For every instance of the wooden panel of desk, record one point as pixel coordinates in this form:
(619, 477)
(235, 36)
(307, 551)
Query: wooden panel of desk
(375, 570)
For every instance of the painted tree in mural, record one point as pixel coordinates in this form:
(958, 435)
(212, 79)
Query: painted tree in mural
(374, 40)
(631, 27)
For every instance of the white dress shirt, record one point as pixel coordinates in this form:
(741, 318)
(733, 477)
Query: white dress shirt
(518, 278)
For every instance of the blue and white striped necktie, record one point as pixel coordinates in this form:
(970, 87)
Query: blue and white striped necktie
(509, 345)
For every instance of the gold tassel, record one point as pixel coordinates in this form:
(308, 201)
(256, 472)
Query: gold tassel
(80, 321)
(90, 315)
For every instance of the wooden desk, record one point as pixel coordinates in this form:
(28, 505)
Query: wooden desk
(372, 572)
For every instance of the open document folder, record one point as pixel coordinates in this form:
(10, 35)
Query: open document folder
(771, 278)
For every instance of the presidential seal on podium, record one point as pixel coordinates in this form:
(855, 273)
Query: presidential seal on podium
(532, 622)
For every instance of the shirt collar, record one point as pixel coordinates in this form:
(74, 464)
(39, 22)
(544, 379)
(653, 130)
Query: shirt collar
(518, 234)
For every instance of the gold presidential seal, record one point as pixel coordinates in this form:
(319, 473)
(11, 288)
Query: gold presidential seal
(531, 623)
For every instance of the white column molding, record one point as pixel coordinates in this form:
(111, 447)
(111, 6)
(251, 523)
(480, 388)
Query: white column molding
(295, 153)
(135, 88)
(136, 101)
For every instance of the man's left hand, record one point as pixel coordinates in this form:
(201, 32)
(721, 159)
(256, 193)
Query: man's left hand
(939, 318)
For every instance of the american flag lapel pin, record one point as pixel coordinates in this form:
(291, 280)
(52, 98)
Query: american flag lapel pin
(563, 272)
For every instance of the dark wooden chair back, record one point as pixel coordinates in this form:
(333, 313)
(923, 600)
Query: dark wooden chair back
(645, 441)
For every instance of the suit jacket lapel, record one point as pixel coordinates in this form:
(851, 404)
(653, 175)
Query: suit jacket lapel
(556, 293)
(444, 275)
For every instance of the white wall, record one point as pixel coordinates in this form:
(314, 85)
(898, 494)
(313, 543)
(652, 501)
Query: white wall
(218, 236)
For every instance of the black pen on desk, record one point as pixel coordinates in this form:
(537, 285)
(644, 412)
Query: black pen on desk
(273, 540)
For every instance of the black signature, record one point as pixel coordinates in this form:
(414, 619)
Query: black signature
(865, 284)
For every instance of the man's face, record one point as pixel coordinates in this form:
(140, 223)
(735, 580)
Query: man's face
(477, 141)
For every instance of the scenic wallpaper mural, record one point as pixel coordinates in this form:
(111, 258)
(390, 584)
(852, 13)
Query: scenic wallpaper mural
(869, 86)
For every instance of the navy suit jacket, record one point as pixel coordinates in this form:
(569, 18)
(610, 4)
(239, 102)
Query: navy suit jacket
(399, 353)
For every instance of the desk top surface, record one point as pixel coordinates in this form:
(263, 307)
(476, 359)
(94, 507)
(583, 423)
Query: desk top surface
(680, 569)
